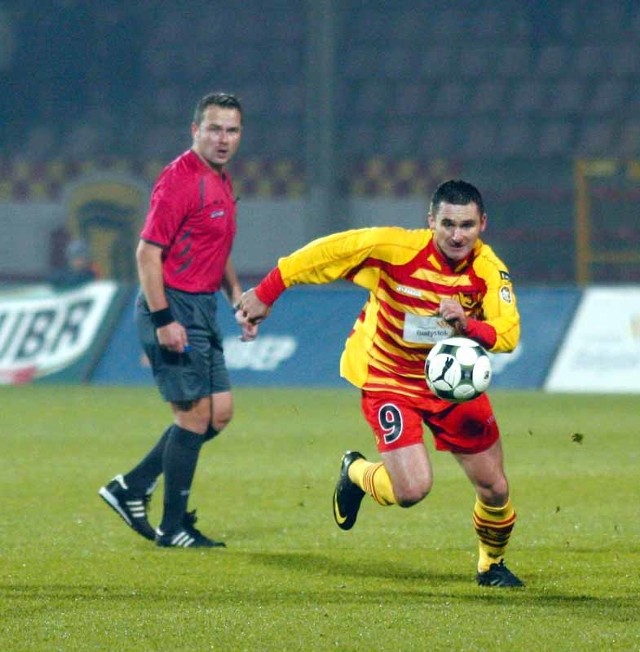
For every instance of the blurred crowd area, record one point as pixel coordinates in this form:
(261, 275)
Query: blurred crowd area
(509, 94)
(415, 79)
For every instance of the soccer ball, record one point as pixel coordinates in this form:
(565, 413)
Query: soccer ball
(458, 369)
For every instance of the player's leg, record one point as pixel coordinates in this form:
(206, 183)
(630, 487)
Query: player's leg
(493, 514)
(470, 432)
(404, 477)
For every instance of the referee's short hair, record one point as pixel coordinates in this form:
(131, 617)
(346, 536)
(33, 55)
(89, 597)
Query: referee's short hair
(224, 100)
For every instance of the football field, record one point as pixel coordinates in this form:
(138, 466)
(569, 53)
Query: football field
(74, 577)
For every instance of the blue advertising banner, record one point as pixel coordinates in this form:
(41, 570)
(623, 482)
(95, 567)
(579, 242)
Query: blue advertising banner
(301, 342)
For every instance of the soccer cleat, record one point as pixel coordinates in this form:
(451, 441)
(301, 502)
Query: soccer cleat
(131, 507)
(498, 575)
(347, 495)
(187, 536)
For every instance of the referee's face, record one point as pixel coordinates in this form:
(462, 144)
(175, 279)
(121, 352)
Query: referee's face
(217, 138)
(456, 229)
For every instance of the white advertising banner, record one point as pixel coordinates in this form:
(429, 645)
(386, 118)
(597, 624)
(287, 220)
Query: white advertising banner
(601, 350)
(42, 331)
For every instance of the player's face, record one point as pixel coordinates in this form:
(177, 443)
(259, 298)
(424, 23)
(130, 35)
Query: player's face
(217, 138)
(456, 228)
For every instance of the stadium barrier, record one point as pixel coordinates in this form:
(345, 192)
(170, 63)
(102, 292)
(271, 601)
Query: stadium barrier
(301, 342)
(572, 340)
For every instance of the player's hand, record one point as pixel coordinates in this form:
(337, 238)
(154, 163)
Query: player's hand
(252, 308)
(173, 337)
(453, 313)
(249, 329)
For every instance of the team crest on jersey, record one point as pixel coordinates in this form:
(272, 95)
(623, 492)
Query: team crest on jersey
(412, 292)
(468, 301)
(505, 294)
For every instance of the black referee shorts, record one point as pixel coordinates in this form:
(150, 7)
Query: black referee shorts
(199, 372)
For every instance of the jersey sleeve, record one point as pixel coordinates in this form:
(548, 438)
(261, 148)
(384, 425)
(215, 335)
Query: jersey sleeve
(499, 305)
(341, 255)
(167, 209)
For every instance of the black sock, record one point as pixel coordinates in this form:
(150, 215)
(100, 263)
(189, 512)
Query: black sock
(143, 476)
(179, 466)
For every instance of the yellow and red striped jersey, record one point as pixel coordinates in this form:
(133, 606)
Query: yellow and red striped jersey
(406, 277)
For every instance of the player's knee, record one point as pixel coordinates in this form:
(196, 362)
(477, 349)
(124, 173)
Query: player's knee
(494, 493)
(412, 495)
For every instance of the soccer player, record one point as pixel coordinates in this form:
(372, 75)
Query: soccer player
(442, 280)
(184, 259)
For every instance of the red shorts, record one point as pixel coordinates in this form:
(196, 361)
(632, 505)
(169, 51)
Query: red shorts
(397, 421)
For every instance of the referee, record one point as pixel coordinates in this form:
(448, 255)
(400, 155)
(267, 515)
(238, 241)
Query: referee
(184, 259)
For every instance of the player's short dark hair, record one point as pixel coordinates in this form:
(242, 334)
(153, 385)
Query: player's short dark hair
(224, 100)
(456, 191)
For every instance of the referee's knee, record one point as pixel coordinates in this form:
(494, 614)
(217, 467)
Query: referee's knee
(220, 421)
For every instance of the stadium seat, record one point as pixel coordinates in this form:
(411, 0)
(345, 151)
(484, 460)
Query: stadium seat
(516, 138)
(590, 60)
(488, 97)
(555, 138)
(565, 95)
(596, 138)
(512, 61)
(529, 96)
(450, 99)
(440, 138)
(552, 60)
(479, 139)
(607, 97)
(628, 140)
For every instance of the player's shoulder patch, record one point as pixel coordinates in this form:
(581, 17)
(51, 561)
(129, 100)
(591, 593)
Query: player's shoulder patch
(505, 276)
(505, 294)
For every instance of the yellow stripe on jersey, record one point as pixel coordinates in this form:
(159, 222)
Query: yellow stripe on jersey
(404, 274)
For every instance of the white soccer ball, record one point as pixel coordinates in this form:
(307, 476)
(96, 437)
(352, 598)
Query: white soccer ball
(458, 369)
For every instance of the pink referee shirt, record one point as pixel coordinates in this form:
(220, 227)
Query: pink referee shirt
(192, 216)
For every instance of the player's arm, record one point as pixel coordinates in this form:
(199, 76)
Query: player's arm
(499, 312)
(169, 332)
(480, 331)
(320, 261)
(341, 255)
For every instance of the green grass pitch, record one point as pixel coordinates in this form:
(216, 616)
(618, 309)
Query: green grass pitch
(75, 578)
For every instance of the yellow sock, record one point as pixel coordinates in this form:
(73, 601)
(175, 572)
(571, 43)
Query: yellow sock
(373, 479)
(493, 526)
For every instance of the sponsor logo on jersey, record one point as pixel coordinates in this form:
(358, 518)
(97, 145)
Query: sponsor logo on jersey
(412, 292)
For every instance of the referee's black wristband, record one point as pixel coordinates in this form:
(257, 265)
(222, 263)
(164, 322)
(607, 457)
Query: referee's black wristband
(162, 317)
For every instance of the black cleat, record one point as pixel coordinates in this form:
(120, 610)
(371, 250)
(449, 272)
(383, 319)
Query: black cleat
(130, 507)
(347, 495)
(186, 536)
(498, 575)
